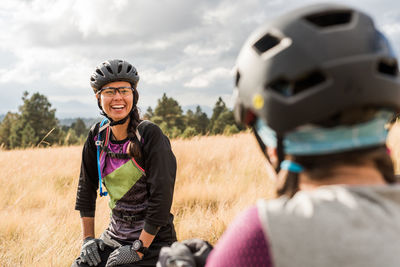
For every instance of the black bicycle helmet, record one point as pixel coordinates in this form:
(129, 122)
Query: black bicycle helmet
(111, 71)
(313, 63)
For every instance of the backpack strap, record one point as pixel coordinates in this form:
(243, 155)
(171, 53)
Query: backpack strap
(139, 133)
(140, 129)
(105, 124)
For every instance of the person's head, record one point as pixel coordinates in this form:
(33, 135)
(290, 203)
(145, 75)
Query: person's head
(318, 85)
(115, 84)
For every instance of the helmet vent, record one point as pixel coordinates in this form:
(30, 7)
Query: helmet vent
(98, 71)
(388, 67)
(129, 68)
(237, 78)
(291, 88)
(267, 42)
(119, 68)
(109, 69)
(329, 19)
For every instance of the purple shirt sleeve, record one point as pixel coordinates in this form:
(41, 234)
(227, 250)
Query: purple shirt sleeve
(243, 243)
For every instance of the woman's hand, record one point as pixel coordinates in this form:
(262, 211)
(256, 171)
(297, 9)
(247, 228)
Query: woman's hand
(90, 251)
(188, 253)
(122, 255)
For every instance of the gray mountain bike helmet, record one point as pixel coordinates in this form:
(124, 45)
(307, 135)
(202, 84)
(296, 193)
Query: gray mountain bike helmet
(112, 71)
(311, 64)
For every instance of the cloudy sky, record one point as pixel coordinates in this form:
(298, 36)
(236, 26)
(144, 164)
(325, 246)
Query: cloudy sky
(185, 48)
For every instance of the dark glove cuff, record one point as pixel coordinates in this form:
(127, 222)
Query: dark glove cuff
(87, 239)
(87, 213)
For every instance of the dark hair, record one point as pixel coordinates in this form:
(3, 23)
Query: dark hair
(134, 146)
(320, 166)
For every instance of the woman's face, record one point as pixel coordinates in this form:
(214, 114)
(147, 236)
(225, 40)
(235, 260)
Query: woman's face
(119, 105)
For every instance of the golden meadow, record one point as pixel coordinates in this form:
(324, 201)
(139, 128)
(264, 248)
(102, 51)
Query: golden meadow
(218, 176)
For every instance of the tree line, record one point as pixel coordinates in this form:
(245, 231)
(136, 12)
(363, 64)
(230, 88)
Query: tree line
(35, 123)
(169, 116)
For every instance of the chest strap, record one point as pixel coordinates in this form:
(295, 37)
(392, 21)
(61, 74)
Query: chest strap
(99, 144)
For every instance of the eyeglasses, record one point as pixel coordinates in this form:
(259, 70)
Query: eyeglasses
(112, 91)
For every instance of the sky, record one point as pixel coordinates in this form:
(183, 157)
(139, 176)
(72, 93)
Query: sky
(184, 48)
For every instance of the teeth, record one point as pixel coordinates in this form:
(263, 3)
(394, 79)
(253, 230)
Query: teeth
(118, 106)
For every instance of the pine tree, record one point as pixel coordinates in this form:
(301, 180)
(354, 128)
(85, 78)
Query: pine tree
(217, 110)
(169, 111)
(5, 129)
(35, 121)
(79, 127)
(202, 121)
(28, 136)
(149, 114)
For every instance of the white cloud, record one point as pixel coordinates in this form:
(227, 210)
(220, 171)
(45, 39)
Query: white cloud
(391, 28)
(205, 79)
(199, 50)
(156, 77)
(183, 47)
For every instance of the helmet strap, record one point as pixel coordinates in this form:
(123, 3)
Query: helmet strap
(263, 147)
(280, 151)
(112, 122)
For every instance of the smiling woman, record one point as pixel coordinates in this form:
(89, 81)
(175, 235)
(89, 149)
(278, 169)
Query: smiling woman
(116, 99)
(133, 160)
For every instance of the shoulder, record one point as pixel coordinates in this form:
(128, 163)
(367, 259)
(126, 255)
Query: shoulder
(94, 129)
(98, 126)
(314, 211)
(146, 126)
(92, 135)
(308, 204)
(243, 244)
(149, 130)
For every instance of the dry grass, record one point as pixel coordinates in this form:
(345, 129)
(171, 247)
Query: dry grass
(217, 178)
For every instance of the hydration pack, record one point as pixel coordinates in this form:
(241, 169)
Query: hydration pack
(103, 139)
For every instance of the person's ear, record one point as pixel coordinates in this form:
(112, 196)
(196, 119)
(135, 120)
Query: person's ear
(271, 164)
(98, 99)
(273, 156)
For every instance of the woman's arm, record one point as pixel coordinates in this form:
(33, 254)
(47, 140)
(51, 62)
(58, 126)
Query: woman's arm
(160, 166)
(88, 184)
(243, 244)
(87, 227)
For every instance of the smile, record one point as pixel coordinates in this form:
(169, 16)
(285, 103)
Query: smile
(118, 107)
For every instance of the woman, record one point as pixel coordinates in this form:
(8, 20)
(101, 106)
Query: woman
(133, 160)
(318, 86)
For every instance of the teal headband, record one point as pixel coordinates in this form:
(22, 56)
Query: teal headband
(313, 140)
(291, 166)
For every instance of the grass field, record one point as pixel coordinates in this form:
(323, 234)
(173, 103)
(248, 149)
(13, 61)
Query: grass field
(217, 177)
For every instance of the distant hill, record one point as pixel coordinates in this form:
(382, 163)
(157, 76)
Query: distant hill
(2, 117)
(88, 121)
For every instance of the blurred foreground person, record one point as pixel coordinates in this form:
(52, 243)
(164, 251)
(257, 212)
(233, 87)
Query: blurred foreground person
(133, 160)
(318, 86)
